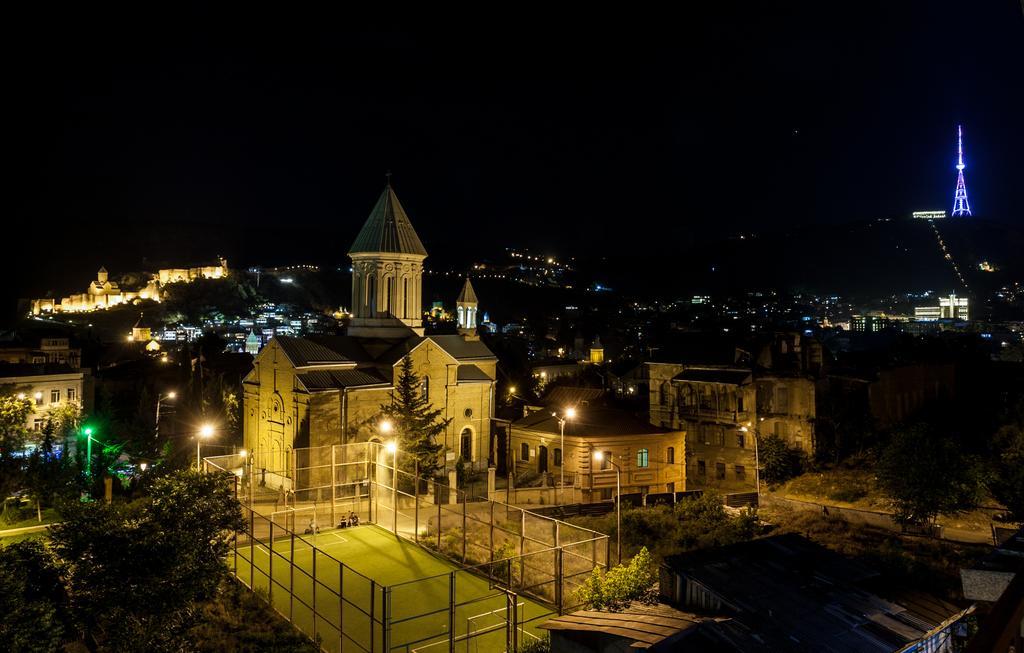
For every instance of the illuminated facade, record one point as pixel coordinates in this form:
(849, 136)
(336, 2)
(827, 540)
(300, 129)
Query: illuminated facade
(949, 308)
(961, 207)
(324, 390)
(101, 294)
(104, 293)
(188, 275)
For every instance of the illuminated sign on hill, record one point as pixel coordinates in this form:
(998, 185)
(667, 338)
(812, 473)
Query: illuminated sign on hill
(928, 215)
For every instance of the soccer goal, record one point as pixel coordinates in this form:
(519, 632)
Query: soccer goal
(297, 520)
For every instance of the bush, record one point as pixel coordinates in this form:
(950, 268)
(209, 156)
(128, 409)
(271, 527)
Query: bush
(621, 585)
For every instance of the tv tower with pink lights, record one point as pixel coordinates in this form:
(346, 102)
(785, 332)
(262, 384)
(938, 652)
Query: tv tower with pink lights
(961, 207)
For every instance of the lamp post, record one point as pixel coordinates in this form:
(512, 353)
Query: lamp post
(599, 457)
(205, 431)
(392, 448)
(567, 414)
(160, 399)
(757, 463)
(88, 451)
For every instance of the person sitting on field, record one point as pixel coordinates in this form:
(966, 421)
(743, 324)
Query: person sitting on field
(353, 519)
(343, 523)
(313, 527)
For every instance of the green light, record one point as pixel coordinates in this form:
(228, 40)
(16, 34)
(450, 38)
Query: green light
(88, 430)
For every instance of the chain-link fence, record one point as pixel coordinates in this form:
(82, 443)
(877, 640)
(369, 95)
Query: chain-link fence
(512, 568)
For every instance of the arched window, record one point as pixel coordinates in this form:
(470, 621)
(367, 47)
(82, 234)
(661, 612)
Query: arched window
(466, 448)
(371, 294)
(670, 455)
(425, 387)
(406, 312)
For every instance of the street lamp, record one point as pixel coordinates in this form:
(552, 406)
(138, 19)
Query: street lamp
(88, 451)
(205, 431)
(160, 399)
(392, 448)
(567, 414)
(757, 463)
(599, 457)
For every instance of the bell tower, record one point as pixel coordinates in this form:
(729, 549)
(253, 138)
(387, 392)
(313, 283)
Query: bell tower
(387, 273)
(465, 308)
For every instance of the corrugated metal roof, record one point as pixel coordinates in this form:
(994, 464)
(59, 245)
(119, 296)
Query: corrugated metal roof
(645, 625)
(463, 349)
(789, 589)
(335, 379)
(302, 352)
(388, 229)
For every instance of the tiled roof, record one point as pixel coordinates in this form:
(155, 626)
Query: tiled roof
(388, 229)
(589, 421)
(472, 373)
(334, 379)
(729, 376)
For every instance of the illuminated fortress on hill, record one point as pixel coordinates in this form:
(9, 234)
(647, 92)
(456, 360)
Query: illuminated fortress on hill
(103, 293)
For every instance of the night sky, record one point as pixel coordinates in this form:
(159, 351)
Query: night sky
(174, 137)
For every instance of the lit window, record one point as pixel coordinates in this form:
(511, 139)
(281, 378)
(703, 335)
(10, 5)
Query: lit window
(641, 458)
(54, 396)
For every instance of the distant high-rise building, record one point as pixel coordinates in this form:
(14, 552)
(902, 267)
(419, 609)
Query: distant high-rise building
(961, 206)
(949, 308)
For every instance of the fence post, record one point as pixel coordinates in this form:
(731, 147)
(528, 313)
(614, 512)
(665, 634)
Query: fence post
(291, 578)
(386, 625)
(451, 613)
(464, 534)
(341, 605)
(558, 579)
(270, 549)
(334, 488)
(437, 500)
(514, 599)
(373, 602)
(416, 501)
(492, 530)
(313, 583)
(252, 549)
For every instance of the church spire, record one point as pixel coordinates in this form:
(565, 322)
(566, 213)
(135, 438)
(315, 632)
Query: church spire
(466, 308)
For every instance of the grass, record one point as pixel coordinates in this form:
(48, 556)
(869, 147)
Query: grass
(858, 488)
(26, 516)
(907, 562)
(417, 596)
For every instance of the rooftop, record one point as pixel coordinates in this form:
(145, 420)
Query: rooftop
(388, 229)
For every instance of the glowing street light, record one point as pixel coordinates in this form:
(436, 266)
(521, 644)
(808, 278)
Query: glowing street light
(143, 466)
(205, 431)
(567, 414)
(386, 426)
(160, 399)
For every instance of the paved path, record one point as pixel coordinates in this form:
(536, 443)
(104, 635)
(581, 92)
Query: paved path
(25, 529)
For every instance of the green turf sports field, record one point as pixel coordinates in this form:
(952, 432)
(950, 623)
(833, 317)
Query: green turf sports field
(419, 585)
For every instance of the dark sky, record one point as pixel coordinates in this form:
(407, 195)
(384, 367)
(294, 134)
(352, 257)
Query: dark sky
(266, 137)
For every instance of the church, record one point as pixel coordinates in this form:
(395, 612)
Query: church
(323, 390)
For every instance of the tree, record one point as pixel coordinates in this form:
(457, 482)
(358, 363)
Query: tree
(1007, 482)
(14, 412)
(926, 473)
(621, 585)
(33, 605)
(417, 424)
(136, 573)
(779, 462)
